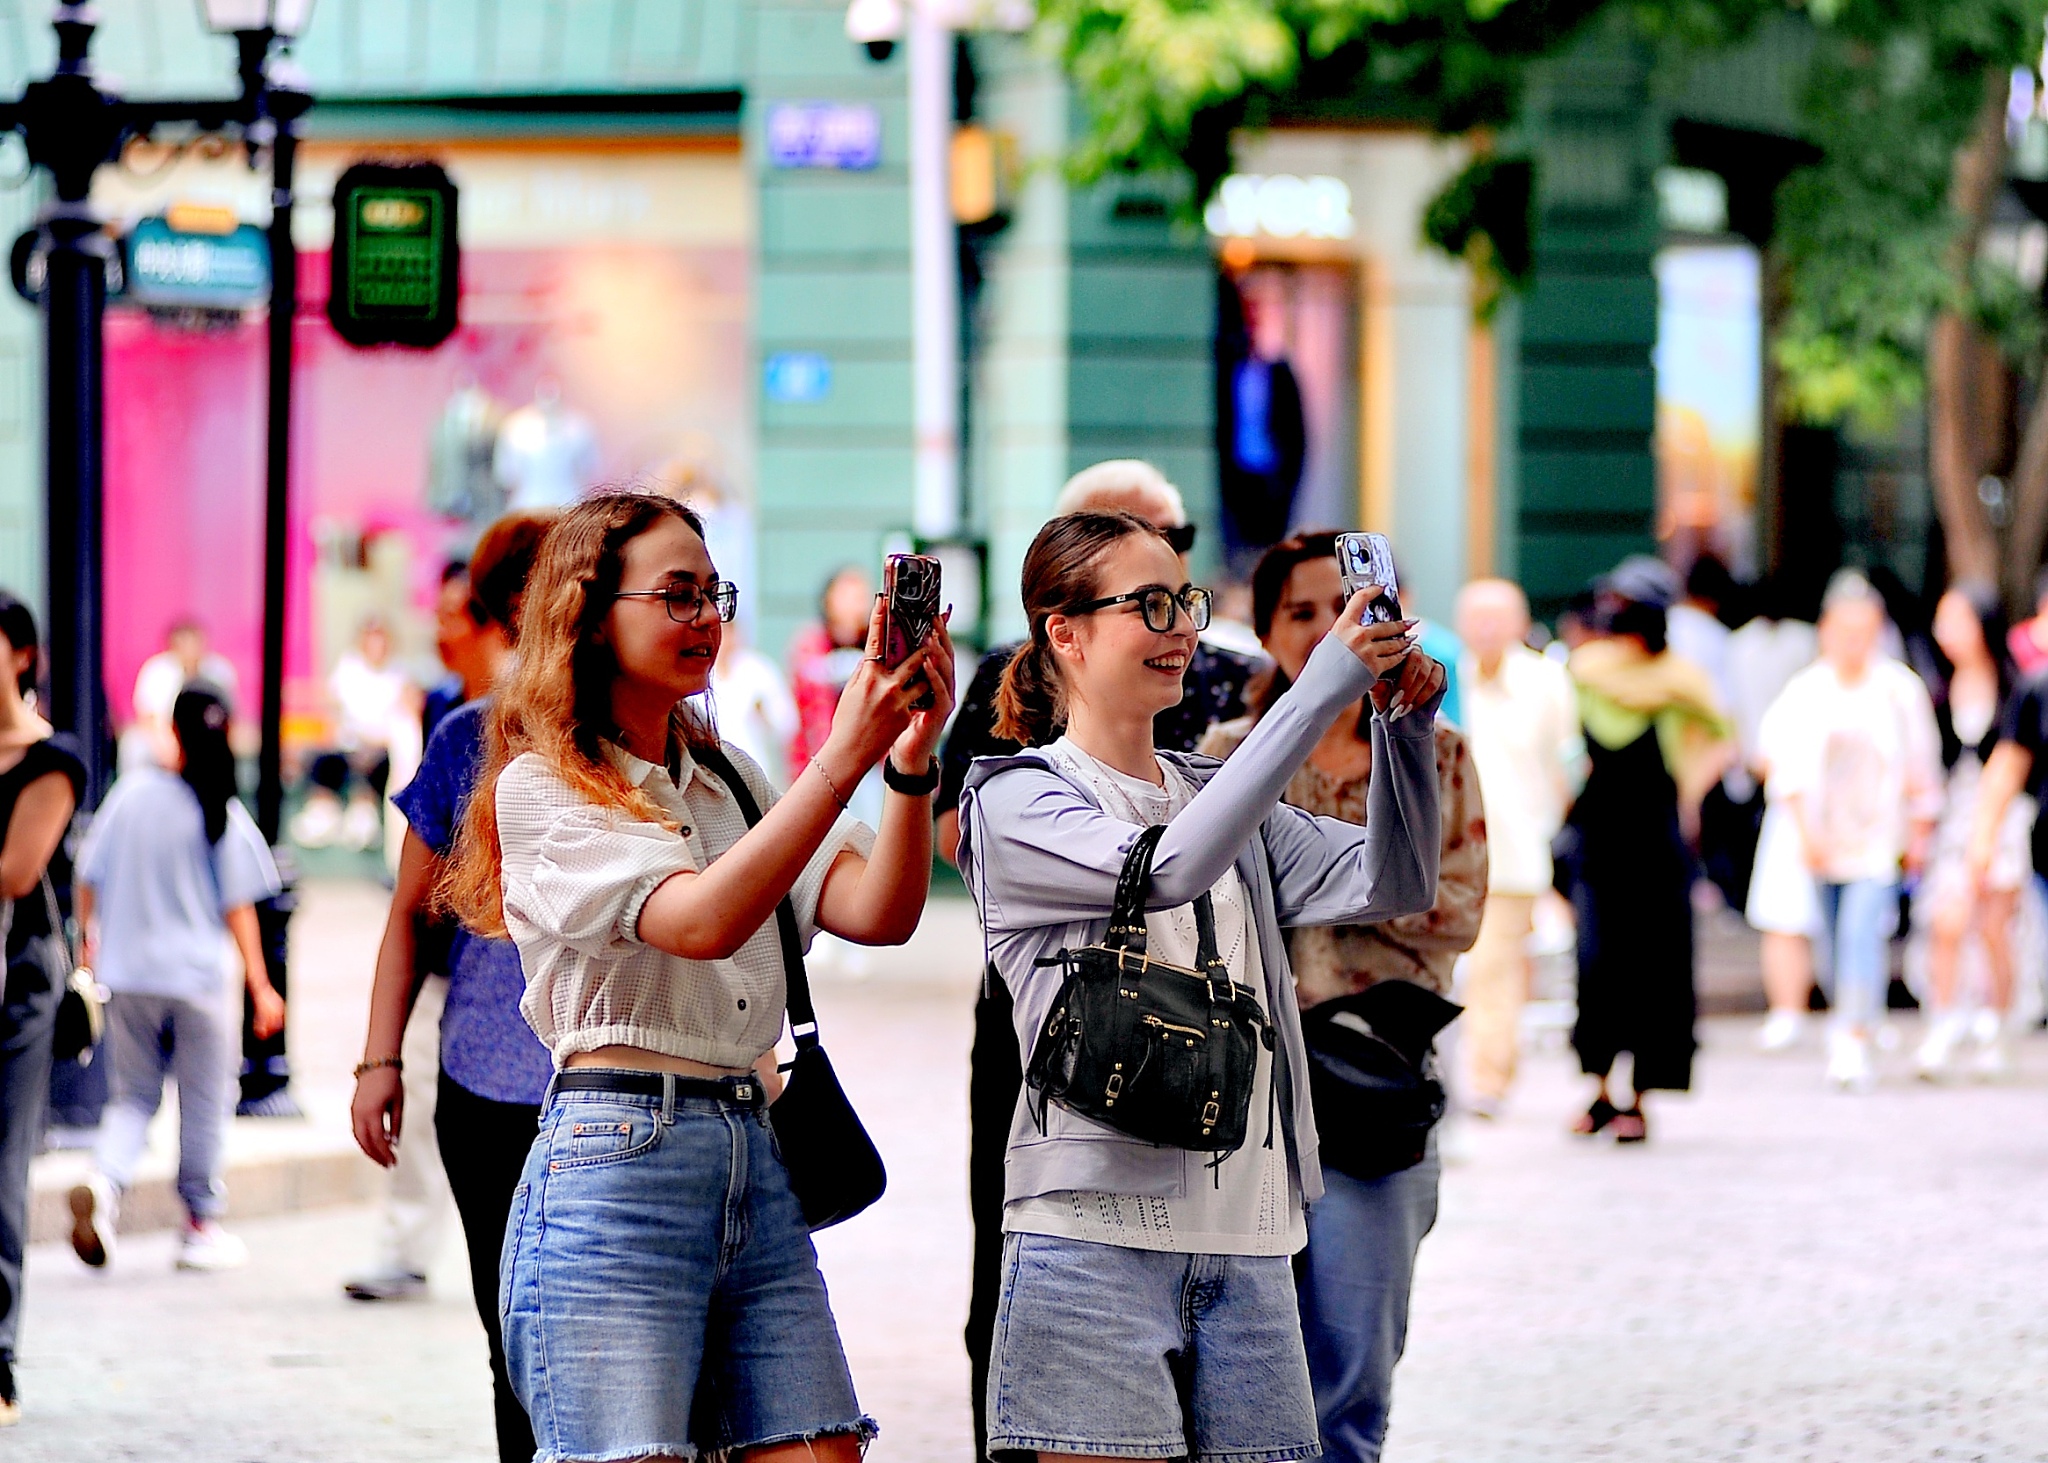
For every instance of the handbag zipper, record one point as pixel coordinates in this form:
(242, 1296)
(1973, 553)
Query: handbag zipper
(1192, 1033)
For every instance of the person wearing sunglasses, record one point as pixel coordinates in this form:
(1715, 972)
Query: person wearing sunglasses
(1212, 690)
(1146, 1306)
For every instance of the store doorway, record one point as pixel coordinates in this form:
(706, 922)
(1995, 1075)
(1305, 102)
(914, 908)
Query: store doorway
(1287, 403)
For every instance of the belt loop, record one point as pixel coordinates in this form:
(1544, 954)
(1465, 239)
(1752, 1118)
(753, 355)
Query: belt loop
(668, 1099)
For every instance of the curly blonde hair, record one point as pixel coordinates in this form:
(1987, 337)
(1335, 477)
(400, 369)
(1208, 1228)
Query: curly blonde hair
(556, 702)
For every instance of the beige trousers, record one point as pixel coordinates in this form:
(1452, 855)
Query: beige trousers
(1496, 987)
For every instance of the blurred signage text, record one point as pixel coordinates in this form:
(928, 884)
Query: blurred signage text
(213, 270)
(395, 264)
(797, 376)
(840, 135)
(1280, 206)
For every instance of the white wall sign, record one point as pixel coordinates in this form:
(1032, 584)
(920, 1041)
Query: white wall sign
(1280, 206)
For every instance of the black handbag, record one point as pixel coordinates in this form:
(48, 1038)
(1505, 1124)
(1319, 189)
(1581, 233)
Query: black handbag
(1372, 1076)
(834, 1167)
(1157, 1051)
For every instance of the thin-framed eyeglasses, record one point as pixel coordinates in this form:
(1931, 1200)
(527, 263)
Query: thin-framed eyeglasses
(1160, 606)
(686, 601)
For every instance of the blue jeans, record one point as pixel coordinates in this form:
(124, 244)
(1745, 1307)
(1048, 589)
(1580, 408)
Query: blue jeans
(1124, 1353)
(1353, 1282)
(1857, 920)
(659, 1293)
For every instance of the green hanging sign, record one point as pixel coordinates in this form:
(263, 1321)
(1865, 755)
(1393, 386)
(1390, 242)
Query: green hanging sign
(395, 266)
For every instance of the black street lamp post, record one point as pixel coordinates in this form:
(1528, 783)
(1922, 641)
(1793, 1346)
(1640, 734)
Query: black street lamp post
(71, 126)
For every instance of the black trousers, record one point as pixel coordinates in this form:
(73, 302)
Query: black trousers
(996, 1076)
(484, 1146)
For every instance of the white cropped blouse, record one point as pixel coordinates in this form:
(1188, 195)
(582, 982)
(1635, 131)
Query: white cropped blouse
(576, 876)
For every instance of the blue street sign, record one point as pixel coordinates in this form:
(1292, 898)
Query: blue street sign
(168, 268)
(842, 135)
(797, 376)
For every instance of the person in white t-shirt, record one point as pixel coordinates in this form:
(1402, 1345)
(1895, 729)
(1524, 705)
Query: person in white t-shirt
(1855, 760)
(377, 718)
(185, 658)
(1522, 725)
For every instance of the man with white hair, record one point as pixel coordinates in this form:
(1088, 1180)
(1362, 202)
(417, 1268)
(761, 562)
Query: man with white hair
(1522, 725)
(1212, 691)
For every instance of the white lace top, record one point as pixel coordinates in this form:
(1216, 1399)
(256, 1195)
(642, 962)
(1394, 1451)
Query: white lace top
(1251, 1205)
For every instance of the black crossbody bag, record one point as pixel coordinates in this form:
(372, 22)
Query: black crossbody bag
(833, 1165)
(1157, 1051)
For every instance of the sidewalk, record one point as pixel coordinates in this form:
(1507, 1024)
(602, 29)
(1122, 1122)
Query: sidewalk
(287, 1165)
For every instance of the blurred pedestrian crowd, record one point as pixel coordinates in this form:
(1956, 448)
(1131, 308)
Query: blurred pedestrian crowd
(1857, 778)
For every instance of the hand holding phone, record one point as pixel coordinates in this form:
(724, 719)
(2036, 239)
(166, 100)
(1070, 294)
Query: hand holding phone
(1367, 560)
(910, 590)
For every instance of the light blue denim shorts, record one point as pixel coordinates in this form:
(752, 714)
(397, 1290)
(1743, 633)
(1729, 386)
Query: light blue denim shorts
(1126, 1353)
(658, 1291)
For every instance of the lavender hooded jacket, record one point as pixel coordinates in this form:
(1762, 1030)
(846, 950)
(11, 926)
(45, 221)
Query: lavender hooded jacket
(1042, 860)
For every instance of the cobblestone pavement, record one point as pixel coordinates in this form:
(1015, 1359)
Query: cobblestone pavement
(1781, 1273)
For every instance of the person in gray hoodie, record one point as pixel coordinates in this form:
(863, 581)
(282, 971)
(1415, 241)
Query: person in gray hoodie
(1147, 1306)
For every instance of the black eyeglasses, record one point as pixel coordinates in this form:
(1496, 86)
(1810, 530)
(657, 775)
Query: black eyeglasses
(1160, 606)
(1181, 537)
(686, 601)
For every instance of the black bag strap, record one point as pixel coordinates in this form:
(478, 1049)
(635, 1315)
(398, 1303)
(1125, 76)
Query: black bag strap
(803, 1016)
(1127, 914)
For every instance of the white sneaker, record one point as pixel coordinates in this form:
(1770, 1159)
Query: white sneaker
(207, 1246)
(359, 826)
(95, 1209)
(1849, 1062)
(1993, 1062)
(318, 822)
(386, 1285)
(1781, 1031)
(1937, 1051)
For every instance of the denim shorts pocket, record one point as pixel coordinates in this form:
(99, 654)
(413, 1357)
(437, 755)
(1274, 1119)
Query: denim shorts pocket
(608, 1135)
(508, 1256)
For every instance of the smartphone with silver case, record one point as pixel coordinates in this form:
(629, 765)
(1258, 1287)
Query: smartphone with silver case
(1367, 558)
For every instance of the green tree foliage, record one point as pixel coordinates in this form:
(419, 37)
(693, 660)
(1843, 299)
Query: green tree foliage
(1869, 235)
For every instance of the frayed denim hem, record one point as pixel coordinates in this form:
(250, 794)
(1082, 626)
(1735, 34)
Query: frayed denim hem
(863, 1427)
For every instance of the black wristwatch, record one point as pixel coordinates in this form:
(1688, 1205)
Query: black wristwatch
(915, 787)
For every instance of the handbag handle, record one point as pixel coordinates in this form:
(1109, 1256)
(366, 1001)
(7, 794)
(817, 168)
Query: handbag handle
(803, 1016)
(1127, 915)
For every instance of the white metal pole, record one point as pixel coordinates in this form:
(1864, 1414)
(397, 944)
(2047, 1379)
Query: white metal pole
(934, 273)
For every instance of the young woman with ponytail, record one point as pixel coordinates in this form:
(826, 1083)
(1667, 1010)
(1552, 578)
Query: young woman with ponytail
(659, 1294)
(1147, 1306)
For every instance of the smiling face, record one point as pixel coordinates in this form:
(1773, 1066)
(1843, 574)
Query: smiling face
(1110, 659)
(1309, 604)
(654, 653)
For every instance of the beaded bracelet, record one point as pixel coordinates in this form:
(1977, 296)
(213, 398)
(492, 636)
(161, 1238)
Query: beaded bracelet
(394, 1063)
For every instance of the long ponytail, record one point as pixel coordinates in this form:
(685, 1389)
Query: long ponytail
(1059, 575)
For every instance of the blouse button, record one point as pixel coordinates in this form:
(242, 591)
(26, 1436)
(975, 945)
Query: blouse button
(743, 1003)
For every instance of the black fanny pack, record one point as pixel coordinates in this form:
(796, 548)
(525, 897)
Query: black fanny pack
(1157, 1051)
(1372, 1076)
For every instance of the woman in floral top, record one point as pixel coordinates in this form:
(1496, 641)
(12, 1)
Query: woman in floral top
(1354, 1279)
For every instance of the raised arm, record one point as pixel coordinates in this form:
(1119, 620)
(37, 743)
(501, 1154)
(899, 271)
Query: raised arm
(1060, 855)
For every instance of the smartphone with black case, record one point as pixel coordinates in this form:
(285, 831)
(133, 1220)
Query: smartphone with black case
(910, 588)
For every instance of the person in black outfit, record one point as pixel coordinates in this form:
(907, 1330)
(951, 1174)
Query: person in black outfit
(1652, 725)
(1214, 691)
(42, 779)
